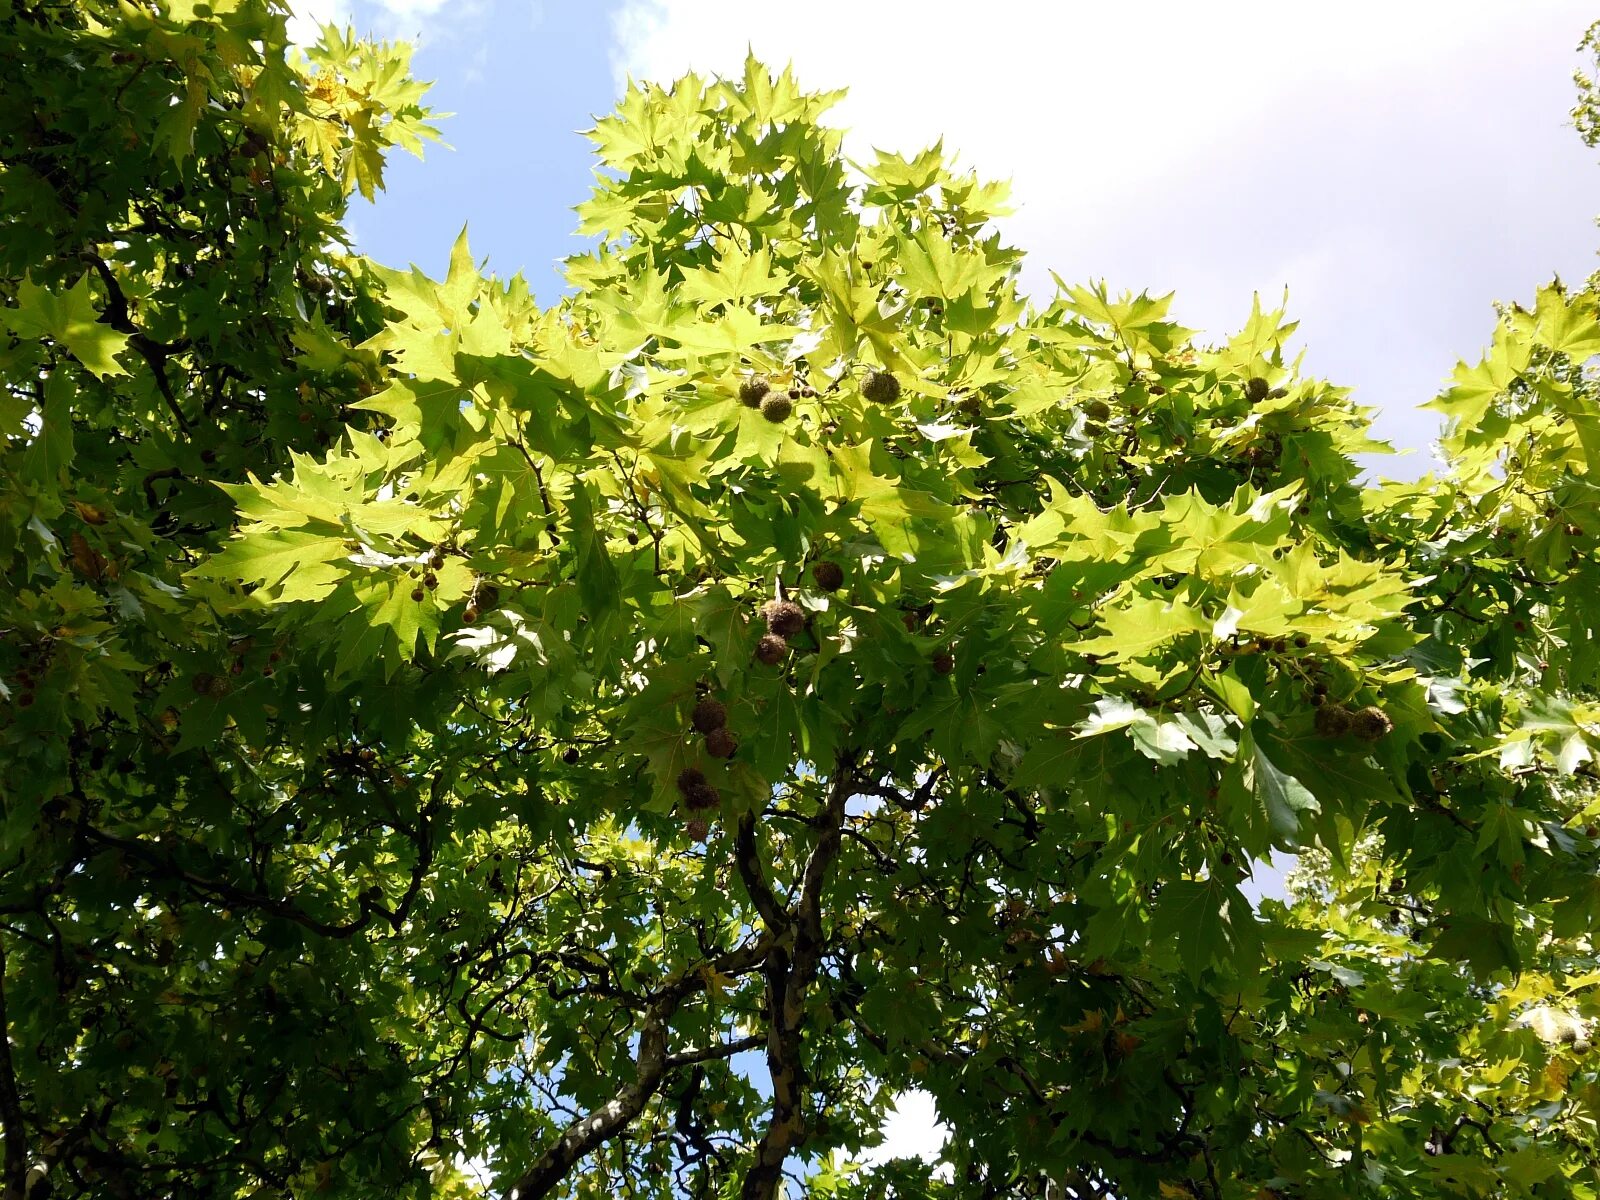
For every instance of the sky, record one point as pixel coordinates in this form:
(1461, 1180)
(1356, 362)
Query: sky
(1396, 165)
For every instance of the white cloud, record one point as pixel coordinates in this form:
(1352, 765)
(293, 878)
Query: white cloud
(1397, 165)
(309, 16)
(911, 1130)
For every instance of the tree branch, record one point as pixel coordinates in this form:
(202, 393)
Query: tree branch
(790, 971)
(747, 857)
(651, 1066)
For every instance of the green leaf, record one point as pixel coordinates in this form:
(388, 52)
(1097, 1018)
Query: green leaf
(1206, 924)
(70, 319)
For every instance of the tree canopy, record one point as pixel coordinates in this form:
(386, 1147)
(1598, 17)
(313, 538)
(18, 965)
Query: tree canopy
(624, 743)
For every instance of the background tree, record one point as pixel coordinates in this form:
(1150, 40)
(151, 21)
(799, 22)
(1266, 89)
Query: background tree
(439, 727)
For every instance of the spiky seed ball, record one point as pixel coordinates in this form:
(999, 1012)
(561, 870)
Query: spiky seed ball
(698, 830)
(1257, 388)
(417, 594)
(881, 387)
(753, 389)
(1097, 410)
(469, 614)
(829, 576)
(690, 778)
(795, 393)
(771, 649)
(721, 744)
(775, 407)
(944, 662)
(783, 617)
(1370, 723)
(570, 755)
(708, 715)
(1333, 720)
(701, 797)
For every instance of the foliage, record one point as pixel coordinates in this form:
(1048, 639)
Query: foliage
(364, 812)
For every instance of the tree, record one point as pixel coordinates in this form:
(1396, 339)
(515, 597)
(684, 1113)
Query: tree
(630, 741)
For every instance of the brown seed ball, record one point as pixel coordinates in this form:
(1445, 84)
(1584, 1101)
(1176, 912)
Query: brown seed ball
(1097, 410)
(783, 617)
(795, 393)
(689, 779)
(1370, 723)
(698, 830)
(771, 649)
(469, 614)
(944, 662)
(721, 744)
(702, 796)
(1333, 720)
(417, 594)
(753, 389)
(1257, 388)
(488, 596)
(828, 575)
(570, 755)
(881, 387)
(776, 407)
(708, 715)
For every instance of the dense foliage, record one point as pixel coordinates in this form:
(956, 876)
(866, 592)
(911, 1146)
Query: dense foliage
(626, 743)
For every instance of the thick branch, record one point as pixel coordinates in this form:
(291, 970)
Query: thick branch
(747, 857)
(651, 1066)
(606, 1121)
(790, 972)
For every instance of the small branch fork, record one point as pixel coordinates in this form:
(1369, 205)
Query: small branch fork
(788, 953)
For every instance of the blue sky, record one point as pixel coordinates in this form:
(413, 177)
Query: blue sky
(522, 79)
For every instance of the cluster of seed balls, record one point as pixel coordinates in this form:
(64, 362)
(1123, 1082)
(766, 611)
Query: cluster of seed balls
(880, 387)
(785, 618)
(710, 720)
(699, 797)
(1368, 724)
